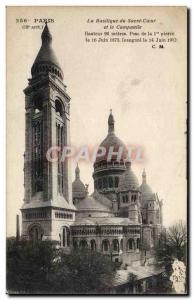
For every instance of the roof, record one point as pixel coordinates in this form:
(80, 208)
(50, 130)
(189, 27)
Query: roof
(102, 199)
(46, 55)
(91, 204)
(104, 221)
(128, 180)
(141, 272)
(37, 202)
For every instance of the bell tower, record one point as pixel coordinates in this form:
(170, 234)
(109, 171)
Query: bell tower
(48, 206)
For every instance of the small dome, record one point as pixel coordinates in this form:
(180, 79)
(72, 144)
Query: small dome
(128, 180)
(145, 189)
(78, 187)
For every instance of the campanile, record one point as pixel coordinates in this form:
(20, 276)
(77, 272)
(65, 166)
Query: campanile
(48, 209)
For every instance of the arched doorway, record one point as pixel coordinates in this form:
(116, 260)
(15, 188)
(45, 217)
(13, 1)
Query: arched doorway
(83, 244)
(105, 245)
(93, 245)
(35, 232)
(121, 245)
(75, 244)
(130, 245)
(138, 243)
(115, 245)
(65, 237)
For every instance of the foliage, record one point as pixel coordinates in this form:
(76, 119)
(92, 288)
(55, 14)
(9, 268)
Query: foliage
(83, 271)
(28, 265)
(42, 268)
(173, 243)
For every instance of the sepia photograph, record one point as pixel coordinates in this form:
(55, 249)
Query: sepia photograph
(96, 167)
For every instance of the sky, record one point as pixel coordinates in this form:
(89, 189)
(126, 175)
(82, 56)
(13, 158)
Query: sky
(144, 87)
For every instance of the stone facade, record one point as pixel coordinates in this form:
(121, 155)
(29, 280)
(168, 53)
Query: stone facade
(120, 218)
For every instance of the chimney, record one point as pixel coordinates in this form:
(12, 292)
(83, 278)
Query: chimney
(17, 228)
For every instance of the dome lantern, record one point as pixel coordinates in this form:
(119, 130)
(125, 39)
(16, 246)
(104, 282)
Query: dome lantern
(77, 172)
(144, 176)
(111, 122)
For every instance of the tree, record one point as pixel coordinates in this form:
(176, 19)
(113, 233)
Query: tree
(177, 240)
(173, 243)
(83, 272)
(28, 266)
(41, 267)
(171, 246)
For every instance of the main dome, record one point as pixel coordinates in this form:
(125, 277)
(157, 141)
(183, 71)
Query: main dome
(111, 140)
(128, 180)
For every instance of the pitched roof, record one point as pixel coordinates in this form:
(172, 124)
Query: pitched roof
(91, 204)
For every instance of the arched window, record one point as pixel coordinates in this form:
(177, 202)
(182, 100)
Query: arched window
(65, 237)
(110, 182)
(100, 183)
(38, 104)
(37, 152)
(83, 244)
(93, 245)
(116, 245)
(35, 233)
(116, 181)
(130, 244)
(121, 245)
(138, 243)
(104, 182)
(75, 244)
(105, 246)
(68, 236)
(59, 108)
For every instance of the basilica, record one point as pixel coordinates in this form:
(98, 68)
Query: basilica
(122, 218)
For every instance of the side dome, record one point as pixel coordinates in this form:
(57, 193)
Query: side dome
(78, 187)
(128, 180)
(145, 189)
(46, 60)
